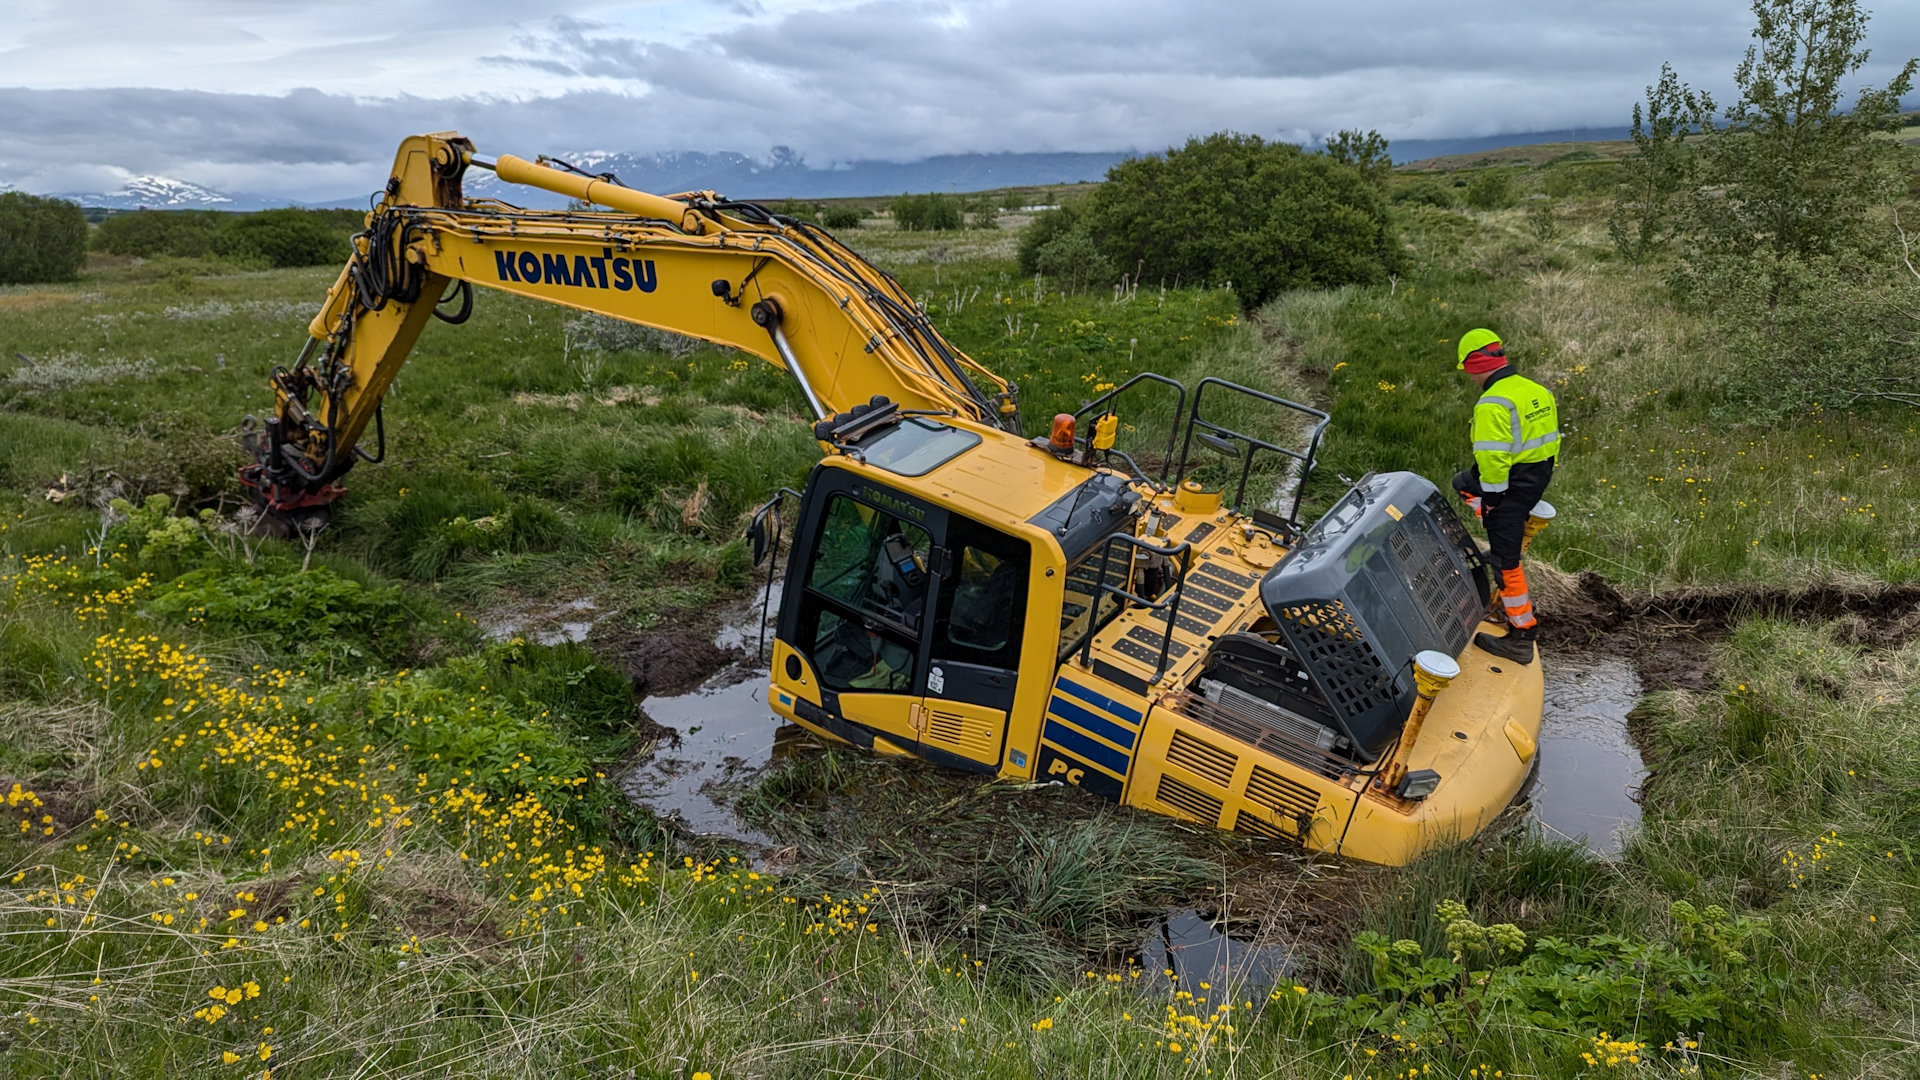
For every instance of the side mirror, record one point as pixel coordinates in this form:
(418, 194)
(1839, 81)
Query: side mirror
(757, 537)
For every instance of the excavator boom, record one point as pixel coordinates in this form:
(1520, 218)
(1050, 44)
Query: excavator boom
(728, 272)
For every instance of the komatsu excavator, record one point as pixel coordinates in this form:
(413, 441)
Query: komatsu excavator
(1036, 609)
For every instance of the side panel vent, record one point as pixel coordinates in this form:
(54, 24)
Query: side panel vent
(1203, 759)
(1248, 825)
(1281, 795)
(1194, 804)
(969, 735)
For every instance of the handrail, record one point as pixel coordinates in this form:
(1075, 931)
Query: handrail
(1223, 434)
(1173, 432)
(1184, 549)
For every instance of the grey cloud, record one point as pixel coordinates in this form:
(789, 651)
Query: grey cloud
(902, 79)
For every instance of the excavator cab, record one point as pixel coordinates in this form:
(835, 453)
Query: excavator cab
(1007, 608)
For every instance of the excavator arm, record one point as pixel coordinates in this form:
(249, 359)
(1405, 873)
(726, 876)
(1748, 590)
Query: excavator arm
(731, 273)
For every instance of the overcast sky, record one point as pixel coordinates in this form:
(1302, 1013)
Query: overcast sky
(307, 100)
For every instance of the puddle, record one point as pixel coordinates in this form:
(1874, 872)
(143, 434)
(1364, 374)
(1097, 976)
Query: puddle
(741, 628)
(1197, 951)
(1588, 772)
(726, 732)
(549, 626)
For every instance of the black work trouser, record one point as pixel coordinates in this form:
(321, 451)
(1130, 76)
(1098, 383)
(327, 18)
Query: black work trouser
(1504, 513)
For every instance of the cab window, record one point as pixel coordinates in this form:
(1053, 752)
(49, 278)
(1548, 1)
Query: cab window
(983, 606)
(866, 598)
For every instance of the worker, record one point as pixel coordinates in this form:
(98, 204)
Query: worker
(1516, 437)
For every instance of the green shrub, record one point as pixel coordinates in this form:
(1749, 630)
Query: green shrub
(1608, 983)
(40, 239)
(316, 611)
(842, 217)
(1067, 255)
(150, 234)
(286, 237)
(927, 213)
(1231, 209)
(514, 718)
(1564, 180)
(806, 212)
(1363, 150)
(1425, 191)
(1491, 189)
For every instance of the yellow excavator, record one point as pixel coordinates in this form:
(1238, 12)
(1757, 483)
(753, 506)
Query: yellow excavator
(1037, 609)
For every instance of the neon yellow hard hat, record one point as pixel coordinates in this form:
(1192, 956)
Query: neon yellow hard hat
(1473, 341)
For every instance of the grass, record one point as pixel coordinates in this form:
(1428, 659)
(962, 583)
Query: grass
(1658, 486)
(434, 874)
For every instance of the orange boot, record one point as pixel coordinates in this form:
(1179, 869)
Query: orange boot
(1522, 625)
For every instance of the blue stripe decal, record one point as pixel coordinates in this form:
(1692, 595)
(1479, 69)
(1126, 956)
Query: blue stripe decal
(1124, 712)
(1098, 725)
(1098, 753)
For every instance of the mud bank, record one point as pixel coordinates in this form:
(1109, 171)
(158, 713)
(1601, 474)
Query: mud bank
(1669, 635)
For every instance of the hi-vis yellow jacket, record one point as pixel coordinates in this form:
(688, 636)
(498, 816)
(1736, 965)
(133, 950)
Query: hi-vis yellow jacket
(1516, 421)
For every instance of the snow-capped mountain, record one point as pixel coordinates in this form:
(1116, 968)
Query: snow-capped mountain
(167, 193)
(783, 174)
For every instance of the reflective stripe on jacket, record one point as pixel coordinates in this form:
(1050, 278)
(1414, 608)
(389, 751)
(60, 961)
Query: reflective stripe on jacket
(1515, 421)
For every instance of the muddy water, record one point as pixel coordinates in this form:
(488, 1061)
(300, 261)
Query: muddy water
(723, 730)
(1197, 951)
(742, 628)
(1588, 774)
(571, 621)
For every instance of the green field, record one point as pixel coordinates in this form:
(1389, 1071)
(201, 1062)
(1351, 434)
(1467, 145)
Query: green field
(289, 810)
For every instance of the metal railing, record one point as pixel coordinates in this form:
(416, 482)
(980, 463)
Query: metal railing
(1104, 403)
(1171, 606)
(1226, 440)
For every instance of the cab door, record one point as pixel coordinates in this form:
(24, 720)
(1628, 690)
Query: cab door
(863, 605)
(973, 646)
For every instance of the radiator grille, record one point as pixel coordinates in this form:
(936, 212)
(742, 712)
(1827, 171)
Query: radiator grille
(1203, 759)
(1251, 825)
(1180, 797)
(1261, 737)
(1281, 795)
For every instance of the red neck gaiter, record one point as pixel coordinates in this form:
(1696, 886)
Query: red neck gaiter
(1491, 358)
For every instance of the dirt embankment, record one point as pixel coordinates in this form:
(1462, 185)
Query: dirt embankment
(1669, 634)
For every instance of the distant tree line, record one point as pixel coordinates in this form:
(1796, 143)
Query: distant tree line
(40, 239)
(272, 238)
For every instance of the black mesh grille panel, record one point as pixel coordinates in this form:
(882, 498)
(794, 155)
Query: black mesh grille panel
(1454, 532)
(1184, 798)
(1326, 637)
(1444, 594)
(1202, 758)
